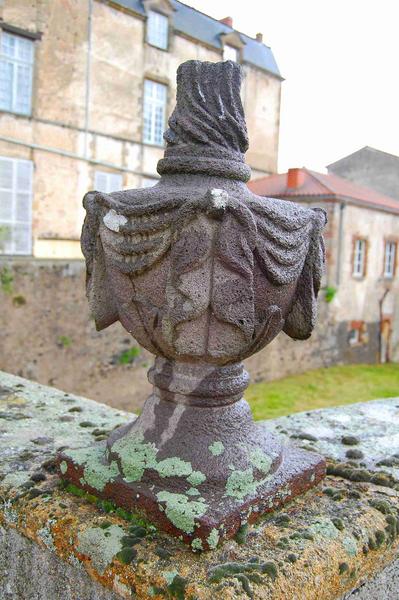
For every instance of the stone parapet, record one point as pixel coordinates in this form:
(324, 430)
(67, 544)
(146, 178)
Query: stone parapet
(338, 541)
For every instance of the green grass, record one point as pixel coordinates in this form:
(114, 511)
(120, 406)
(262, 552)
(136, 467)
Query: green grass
(333, 386)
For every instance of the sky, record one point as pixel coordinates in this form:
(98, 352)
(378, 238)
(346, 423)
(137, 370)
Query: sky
(340, 61)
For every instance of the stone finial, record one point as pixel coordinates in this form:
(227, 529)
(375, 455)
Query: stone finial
(202, 273)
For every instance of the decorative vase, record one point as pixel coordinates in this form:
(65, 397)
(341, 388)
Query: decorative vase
(203, 274)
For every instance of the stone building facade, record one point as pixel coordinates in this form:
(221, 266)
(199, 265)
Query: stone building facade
(362, 246)
(372, 168)
(86, 87)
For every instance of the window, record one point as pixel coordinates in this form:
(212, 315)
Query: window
(16, 66)
(389, 259)
(154, 112)
(15, 206)
(354, 337)
(357, 333)
(359, 258)
(107, 182)
(157, 30)
(230, 53)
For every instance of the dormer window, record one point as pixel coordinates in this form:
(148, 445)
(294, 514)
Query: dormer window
(230, 53)
(157, 29)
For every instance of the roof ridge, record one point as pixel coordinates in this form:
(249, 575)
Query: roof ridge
(219, 21)
(315, 176)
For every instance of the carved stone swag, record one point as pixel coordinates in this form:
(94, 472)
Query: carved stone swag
(202, 273)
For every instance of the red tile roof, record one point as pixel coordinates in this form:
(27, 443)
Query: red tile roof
(327, 187)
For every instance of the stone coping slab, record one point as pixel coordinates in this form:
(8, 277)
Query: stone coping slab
(322, 546)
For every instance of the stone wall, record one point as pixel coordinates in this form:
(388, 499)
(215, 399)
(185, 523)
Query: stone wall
(339, 541)
(47, 335)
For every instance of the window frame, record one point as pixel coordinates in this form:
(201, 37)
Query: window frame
(357, 274)
(386, 274)
(108, 175)
(14, 191)
(151, 28)
(15, 62)
(151, 108)
(231, 47)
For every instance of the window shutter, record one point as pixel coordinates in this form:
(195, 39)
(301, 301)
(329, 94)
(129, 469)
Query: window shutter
(15, 206)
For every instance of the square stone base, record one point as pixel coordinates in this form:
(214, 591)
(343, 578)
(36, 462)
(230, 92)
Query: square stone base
(207, 517)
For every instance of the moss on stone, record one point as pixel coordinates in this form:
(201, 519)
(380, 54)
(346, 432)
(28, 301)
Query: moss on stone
(242, 533)
(126, 555)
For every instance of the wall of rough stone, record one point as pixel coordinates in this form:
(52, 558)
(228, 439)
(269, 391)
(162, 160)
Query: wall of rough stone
(47, 335)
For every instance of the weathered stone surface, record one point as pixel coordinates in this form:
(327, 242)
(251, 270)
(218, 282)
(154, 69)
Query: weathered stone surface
(203, 273)
(335, 538)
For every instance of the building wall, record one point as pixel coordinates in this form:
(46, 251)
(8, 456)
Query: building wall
(66, 154)
(371, 168)
(48, 336)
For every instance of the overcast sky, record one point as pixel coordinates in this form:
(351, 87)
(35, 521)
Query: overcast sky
(340, 60)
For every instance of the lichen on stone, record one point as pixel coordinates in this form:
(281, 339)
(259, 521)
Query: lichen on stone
(181, 511)
(196, 544)
(96, 472)
(135, 456)
(213, 539)
(261, 461)
(241, 484)
(196, 478)
(173, 466)
(63, 467)
(216, 448)
(350, 546)
(100, 545)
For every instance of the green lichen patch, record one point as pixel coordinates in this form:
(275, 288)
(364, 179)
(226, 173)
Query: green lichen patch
(216, 448)
(100, 545)
(173, 467)
(261, 461)
(181, 511)
(96, 472)
(213, 539)
(241, 484)
(135, 456)
(193, 492)
(350, 546)
(196, 478)
(196, 544)
(324, 528)
(63, 467)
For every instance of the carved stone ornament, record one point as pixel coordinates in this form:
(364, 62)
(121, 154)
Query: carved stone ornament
(202, 273)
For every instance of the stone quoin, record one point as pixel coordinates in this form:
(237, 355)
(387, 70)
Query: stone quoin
(203, 273)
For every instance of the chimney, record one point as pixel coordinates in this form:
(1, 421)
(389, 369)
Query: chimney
(227, 21)
(259, 37)
(295, 178)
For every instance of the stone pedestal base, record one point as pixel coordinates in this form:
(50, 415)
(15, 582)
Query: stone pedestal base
(201, 517)
(194, 461)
